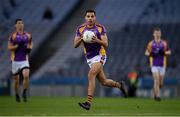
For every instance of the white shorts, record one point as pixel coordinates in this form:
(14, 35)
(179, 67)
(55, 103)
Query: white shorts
(157, 69)
(17, 66)
(97, 58)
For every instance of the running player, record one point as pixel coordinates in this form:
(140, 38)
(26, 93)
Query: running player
(157, 51)
(20, 45)
(95, 55)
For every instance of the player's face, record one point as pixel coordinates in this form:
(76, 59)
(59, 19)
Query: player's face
(19, 25)
(90, 18)
(157, 34)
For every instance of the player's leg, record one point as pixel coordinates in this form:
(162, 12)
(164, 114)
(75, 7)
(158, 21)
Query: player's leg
(25, 73)
(111, 83)
(161, 76)
(156, 89)
(107, 82)
(156, 86)
(16, 87)
(94, 70)
(16, 81)
(161, 79)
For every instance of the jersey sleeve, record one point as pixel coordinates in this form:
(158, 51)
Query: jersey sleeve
(78, 32)
(103, 32)
(166, 46)
(10, 39)
(149, 46)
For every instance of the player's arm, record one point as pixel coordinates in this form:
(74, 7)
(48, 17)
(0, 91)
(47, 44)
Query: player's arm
(103, 41)
(167, 49)
(11, 45)
(30, 44)
(77, 41)
(78, 38)
(148, 50)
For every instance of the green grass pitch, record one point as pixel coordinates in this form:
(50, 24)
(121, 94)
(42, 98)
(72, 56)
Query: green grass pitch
(57, 106)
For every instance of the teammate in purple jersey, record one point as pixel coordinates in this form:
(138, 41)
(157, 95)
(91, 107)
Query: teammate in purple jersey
(95, 55)
(20, 45)
(157, 51)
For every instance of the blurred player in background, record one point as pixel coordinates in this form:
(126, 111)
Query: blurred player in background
(20, 45)
(157, 51)
(95, 55)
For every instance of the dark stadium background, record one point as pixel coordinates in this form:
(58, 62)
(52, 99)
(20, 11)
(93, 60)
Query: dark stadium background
(57, 69)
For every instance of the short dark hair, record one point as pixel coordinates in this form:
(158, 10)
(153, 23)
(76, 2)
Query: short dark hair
(157, 29)
(90, 11)
(19, 19)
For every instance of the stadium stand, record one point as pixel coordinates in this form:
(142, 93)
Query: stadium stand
(72, 58)
(32, 13)
(129, 25)
(129, 32)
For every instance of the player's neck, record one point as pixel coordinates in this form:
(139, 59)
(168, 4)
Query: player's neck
(20, 31)
(157, 40)
(90, 25)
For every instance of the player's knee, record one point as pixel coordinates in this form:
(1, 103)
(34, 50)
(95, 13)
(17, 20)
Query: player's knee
(104, 83)
(91, 77)
(91, 74)
(26, 76)
(16, 81)
(156, 82)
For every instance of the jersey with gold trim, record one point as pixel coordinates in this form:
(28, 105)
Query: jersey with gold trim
(21, 40)
(157, 53)
(92, 49)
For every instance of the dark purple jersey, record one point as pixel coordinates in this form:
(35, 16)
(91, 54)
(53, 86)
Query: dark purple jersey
(92, 49)
(22, 41)
(157, 53)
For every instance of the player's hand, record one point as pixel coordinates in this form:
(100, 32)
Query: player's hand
(81, 38)
(147, 53)
(28, 48)
(16, 46)
(168, 52)
(95, 39)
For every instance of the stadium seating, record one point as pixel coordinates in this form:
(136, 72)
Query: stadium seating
(32, 13)
(129, 25)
